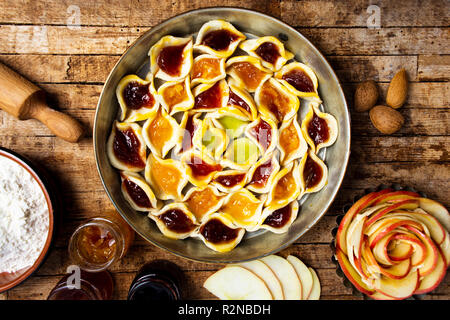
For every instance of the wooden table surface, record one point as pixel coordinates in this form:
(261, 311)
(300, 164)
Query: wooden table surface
(38, 40)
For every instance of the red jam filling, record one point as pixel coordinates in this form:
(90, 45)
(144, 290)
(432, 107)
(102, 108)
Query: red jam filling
(230, 180)
(126, 147)
(299, 80)
(189, 130)
(137, 95)
(268, 52)
(177, 221)
(200, 168)
(318, 130)
(170, 59)
(216, 232)
(235, 100)
(209, 99)
(262, 133)
(262, 174)
(219, 39)
(137, 194)
(312, 173)
(279, 218)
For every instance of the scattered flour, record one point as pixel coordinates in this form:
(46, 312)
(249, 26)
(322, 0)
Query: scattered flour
(24, 217)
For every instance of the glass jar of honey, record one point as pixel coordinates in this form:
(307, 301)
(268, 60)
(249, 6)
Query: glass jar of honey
(99, 242)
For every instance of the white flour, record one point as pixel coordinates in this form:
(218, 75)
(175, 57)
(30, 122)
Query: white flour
(24, 217)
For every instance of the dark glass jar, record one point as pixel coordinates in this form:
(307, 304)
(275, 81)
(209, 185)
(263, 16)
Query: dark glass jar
(93, 286)
(157, 280)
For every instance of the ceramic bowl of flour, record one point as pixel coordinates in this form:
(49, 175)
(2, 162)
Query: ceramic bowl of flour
(26, 219)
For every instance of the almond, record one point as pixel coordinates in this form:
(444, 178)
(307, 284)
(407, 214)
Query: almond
(398, 89)
(366, 95)
(386, 119)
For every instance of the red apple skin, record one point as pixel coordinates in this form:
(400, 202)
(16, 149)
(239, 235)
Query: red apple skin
(393, 227)
(440, 278)
(346, 268)
(432, 245)
(397, 205)
(359, 205)
(397, 196)
(397, 298)
(416, 241)
(405, 256)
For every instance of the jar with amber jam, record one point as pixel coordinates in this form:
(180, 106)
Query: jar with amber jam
(100, 241)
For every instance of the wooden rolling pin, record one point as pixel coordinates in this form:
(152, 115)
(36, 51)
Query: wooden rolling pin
(24, 100)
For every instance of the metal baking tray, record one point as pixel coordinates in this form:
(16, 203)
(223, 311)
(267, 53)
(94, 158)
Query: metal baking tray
(136, 61)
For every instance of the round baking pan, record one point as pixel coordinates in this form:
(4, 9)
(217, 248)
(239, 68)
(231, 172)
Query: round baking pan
(135, 60)
(10, 280)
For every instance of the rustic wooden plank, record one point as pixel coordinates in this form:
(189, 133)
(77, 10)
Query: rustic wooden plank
(86, 69)
(373, 149)
(363, 41)
(433, 67)
(377, 68)
(114, 40)
(297, 13)
(95, 69)
(321, 13)
(115, 12)
(430, 178)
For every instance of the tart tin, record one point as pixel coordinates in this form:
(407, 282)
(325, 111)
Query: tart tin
(345, 208)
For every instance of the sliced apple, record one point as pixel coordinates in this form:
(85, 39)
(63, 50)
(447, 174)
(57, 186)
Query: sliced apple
(264, 272)
(431, 255)
(359, 205)
(419, 249)
(398, 288)
(304, 275)
(433, 279)
(397, 196)
(285, 272)
(379, 296)
(315, 291)
(237, 283)
(445, 248)
(436, 230)
(391, 225)
(400, 250)
(405, 204)
(351, 274)
(380, 249)
(437, 210)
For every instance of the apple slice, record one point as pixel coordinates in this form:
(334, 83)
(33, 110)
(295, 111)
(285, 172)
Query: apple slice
(398, 288)
(315, 291)
(431, 255)
(397, 196)
(437, 210)
(400, 250)
(397, 271)
(445, 247)
(405, 204)
(433, 279)
(436, 230)
(419, 249)
(304, 275)
(379, 296)
(359, 205)
(285, 272)
(351, 274)
(237, 283)
(264, 272)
